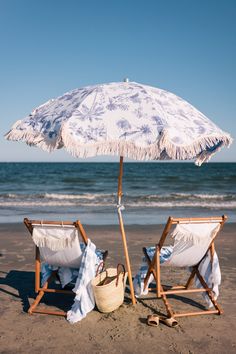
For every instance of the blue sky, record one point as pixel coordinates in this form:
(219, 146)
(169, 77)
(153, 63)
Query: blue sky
(49, 47)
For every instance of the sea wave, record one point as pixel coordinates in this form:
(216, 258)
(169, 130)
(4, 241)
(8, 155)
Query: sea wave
(132, 202)
(87, 196)
(202, 196)
(94, 196)
(189, 204)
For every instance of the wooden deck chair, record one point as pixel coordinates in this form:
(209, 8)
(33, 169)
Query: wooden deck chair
(69, 256)
(186, 253)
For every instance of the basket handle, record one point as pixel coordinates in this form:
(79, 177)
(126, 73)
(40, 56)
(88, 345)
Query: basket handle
(100, 268)
(120, 269)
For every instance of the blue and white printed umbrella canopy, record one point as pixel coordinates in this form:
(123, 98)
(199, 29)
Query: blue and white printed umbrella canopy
(122, 118)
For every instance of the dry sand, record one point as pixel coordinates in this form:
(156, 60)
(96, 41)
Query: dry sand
(123, 331)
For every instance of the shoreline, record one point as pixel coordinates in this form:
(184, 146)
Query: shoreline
(94, 226)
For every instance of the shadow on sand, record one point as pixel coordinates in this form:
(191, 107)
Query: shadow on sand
(23, 283)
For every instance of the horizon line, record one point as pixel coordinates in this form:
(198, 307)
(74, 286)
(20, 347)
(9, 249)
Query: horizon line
(148, 161)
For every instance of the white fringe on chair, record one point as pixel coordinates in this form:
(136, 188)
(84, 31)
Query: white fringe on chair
(55, 239)
(195, 233)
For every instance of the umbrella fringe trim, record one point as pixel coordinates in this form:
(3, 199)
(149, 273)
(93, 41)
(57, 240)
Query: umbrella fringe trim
(154, 152)
(32, 138)
(198, 149)
(164, 149)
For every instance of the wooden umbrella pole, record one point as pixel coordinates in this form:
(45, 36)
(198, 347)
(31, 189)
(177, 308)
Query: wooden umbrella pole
(122, 230)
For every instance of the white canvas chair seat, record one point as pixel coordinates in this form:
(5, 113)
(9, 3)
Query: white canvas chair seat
(58, 246)
(193, 242)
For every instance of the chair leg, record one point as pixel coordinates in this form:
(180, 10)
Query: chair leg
(40, 295)
(158, 272)
(55, 313)
(32, 308)
(170, 312)
(190, 279)
(36, 302)
(209, 293)
(149, 272)
(146, 279)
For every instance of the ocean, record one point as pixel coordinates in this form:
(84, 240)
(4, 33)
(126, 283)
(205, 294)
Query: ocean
(87, 191)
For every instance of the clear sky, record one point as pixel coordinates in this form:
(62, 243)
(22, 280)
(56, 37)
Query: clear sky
(48, 47)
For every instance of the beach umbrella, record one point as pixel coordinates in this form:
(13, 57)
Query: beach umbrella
(127, 119)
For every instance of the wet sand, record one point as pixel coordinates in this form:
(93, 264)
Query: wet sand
(125, 330)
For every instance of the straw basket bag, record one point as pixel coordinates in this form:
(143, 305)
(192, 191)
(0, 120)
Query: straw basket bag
(109, 287)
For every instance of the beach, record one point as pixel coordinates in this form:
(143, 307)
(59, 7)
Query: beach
(124, 330)
(118, 116)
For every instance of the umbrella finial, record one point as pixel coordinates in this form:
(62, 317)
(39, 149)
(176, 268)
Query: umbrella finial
(126, 79)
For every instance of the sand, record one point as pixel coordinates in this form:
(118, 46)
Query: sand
(123, 331)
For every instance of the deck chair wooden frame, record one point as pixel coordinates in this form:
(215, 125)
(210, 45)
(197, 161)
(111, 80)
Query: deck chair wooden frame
(155, 269)
(45, 289)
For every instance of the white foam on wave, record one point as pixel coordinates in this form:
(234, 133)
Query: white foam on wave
(35, 203)
(88, 196)
(132, 201)
(9, 195)
(205, 196)
(136, 205)
(51, 203)
(178, 204)
(111, 196)
(189, 196)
